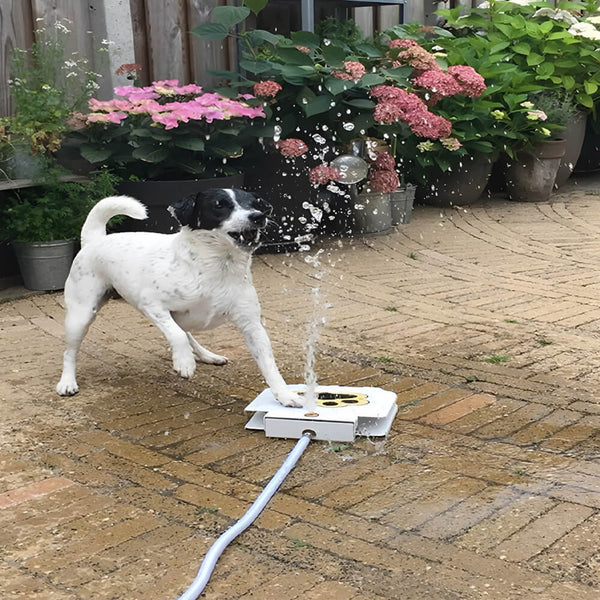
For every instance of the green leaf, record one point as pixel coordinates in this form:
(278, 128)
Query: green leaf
(305, 38)
(334, 55)
(293, 56)
(194, 144)
(151, 153)
(95, 153)
(318, 105)
(337, 86)
(257, 37)
(296, 75)
(256, 67)
(229, 16)
(361, 103)
(399, 74)
(371, 79)
(211, 31)
(585, 100)
(255, 5)
(568, 82)
(545, 69)
(522, 48)
(590, 87)
(534, 59)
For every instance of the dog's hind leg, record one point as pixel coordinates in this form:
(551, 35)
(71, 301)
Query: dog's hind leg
(204, 355)
(80, 315)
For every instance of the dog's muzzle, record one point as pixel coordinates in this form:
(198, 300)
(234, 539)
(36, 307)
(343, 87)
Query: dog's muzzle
(251, 235)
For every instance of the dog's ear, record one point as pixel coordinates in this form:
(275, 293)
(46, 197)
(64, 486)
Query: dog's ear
(183, 210)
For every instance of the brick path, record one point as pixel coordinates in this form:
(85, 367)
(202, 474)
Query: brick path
(486, 322)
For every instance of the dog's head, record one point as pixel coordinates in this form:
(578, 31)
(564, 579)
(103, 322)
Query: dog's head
(235, 212)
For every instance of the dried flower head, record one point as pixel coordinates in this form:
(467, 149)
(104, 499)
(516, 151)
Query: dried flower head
(291, 147)
(323, 174)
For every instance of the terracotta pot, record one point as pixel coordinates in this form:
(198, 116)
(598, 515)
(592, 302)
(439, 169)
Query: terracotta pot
(460, 186)
(574, 135)
(530, 177)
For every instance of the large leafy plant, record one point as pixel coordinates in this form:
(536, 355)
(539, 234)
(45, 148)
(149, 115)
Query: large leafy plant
(167, 131)
(330, 91)
(550, 46)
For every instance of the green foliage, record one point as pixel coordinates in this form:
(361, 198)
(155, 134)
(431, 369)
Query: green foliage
(54, 210)
(539, 44)
(46, 87)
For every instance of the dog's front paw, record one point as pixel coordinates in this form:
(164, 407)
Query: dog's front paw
(67, 387)
(184, 365)
(288, 398)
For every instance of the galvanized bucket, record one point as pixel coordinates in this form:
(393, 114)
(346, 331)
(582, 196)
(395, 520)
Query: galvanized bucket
(45, 265)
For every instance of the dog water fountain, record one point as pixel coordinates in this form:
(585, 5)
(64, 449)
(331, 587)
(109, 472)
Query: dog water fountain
(338, 414)
(334, 414)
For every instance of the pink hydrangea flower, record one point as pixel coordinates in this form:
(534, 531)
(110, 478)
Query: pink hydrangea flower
(266, 89)
(419, 59)
(384, 162)
(471, 82)
(404, 43)
(323, 174)
(429, 125)
(384, 181)
(111, 117)
(439, 82)
(291, 147)
(353, 71)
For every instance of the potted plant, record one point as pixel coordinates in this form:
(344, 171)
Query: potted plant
(167, 140)
(43, 224)
(46, 86)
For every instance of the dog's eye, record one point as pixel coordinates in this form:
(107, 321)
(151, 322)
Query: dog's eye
(218, 204)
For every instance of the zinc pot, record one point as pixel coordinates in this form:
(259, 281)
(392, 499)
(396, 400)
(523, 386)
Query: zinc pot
(159, 195)
(460, 186)
(574, 135)
(589, 158)
(531, 175)
(373, 212)
(45, 265)
(402, 204)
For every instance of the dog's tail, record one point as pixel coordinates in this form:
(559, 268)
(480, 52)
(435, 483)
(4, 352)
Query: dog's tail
(95, 224)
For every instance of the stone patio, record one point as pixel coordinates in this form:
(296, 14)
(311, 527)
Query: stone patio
(485, 320)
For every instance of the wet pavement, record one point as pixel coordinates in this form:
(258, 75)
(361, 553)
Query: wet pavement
(485, 320)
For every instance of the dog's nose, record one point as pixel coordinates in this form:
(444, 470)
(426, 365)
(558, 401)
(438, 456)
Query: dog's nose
(257, 218)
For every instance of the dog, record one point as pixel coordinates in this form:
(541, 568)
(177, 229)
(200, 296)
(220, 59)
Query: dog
(195, 279)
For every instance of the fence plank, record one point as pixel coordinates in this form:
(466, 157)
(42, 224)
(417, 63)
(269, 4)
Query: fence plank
(205, 56)
(168, 48)
(16, 31)
(48, 12)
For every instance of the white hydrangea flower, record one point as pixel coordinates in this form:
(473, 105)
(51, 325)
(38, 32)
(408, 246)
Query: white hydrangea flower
(556, 15)
(586, 30)
(595, 19)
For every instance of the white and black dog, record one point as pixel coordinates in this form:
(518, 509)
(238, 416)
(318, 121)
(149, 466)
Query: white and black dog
(192, 280)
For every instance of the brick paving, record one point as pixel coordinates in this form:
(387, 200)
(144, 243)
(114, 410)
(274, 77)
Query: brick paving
(485, 321)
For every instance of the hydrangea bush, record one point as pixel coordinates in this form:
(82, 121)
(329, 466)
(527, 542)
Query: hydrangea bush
(167, 131)
(327, 91)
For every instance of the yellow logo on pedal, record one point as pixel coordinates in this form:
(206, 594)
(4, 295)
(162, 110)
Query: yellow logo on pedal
(339, 400)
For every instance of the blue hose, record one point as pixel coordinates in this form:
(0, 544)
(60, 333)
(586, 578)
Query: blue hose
(215, 551)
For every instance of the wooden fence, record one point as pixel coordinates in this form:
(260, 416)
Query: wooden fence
(153, 33)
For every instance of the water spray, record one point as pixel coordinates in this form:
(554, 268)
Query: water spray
(331, 413)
